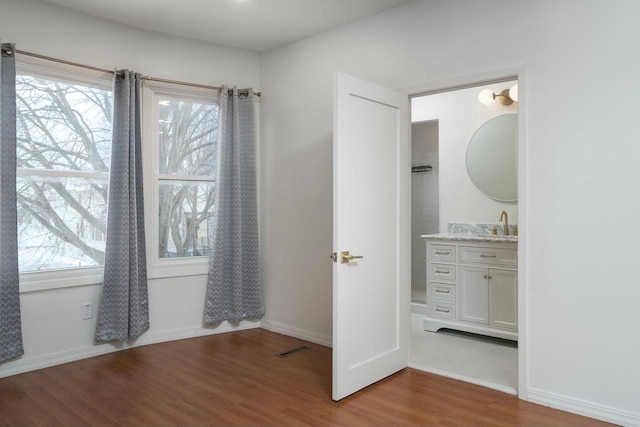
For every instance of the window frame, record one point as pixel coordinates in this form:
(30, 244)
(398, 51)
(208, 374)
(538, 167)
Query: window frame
(152, 92)
(157, 267)
(33, 281)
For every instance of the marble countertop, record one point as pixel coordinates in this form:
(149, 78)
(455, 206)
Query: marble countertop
(469, 237)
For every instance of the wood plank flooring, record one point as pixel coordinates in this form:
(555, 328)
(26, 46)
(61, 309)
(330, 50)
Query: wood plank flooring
(235, 379)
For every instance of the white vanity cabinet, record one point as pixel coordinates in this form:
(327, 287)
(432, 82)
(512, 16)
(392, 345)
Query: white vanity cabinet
(472, 287)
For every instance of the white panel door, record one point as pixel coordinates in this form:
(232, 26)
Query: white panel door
(371, 205)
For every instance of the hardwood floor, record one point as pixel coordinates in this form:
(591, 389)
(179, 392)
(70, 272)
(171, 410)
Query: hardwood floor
(235, 379)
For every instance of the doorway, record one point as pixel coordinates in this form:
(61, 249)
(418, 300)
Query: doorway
(455, 115)
(424, 204)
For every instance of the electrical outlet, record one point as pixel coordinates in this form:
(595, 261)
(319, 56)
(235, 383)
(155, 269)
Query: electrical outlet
(87, 310)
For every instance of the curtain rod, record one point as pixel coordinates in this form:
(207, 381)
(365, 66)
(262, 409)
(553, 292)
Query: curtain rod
(104, 70)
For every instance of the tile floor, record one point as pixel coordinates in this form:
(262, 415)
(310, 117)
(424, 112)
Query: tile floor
(486, 361)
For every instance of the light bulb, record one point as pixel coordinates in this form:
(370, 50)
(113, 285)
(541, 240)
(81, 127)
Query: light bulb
(513, 92)
(486, 97)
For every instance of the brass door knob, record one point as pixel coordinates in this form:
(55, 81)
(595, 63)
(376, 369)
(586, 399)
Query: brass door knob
(345, 257)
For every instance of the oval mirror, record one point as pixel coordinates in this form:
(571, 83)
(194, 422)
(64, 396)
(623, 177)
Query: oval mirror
(492, 162)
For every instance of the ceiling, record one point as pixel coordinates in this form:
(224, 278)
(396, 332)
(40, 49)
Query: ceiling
(256, 25)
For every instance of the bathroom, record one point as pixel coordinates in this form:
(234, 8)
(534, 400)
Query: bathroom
(447, 129)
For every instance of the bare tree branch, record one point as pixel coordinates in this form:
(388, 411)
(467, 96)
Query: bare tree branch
(36, 207)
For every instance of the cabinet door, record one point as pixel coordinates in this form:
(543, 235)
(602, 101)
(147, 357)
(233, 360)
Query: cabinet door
(474, 294)
(503, 299)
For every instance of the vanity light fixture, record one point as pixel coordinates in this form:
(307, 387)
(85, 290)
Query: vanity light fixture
(513, 92)
(506, 97)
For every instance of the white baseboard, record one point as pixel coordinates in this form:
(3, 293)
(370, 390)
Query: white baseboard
(583, 407)
(302, 334)
(26, 364)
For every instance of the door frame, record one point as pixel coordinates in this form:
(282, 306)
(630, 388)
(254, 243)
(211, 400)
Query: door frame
(521, 73)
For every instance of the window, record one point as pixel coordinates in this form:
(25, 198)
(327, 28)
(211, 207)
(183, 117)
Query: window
(63, 154)
(187, 140)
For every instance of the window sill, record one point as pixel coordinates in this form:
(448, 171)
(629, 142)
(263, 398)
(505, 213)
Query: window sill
(54, 279)
(37, 281)
(177, 267)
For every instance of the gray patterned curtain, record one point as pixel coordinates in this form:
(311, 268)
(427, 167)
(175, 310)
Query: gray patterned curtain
(234, 291)
(124, 305)
(10, 326)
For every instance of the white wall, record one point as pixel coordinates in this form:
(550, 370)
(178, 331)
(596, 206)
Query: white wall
(578, 239)
(53, 329)
(62, 33)
(459, 115)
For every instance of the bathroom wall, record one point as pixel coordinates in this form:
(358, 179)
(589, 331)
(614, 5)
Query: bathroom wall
(424, 200)
(460, 114)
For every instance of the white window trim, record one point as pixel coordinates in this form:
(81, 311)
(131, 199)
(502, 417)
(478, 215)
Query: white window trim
(62, 72)
(165, 267)
(34, 281)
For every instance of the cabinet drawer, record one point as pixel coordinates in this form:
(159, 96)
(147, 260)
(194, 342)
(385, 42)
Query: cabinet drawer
(442, 253)
(442, 272)
(443, 311)
(480, 255)
(442, 292)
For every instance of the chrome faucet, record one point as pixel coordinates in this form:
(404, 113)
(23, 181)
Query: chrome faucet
(506, 222)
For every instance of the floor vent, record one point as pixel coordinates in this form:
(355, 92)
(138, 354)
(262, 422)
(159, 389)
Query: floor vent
(292, 351)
